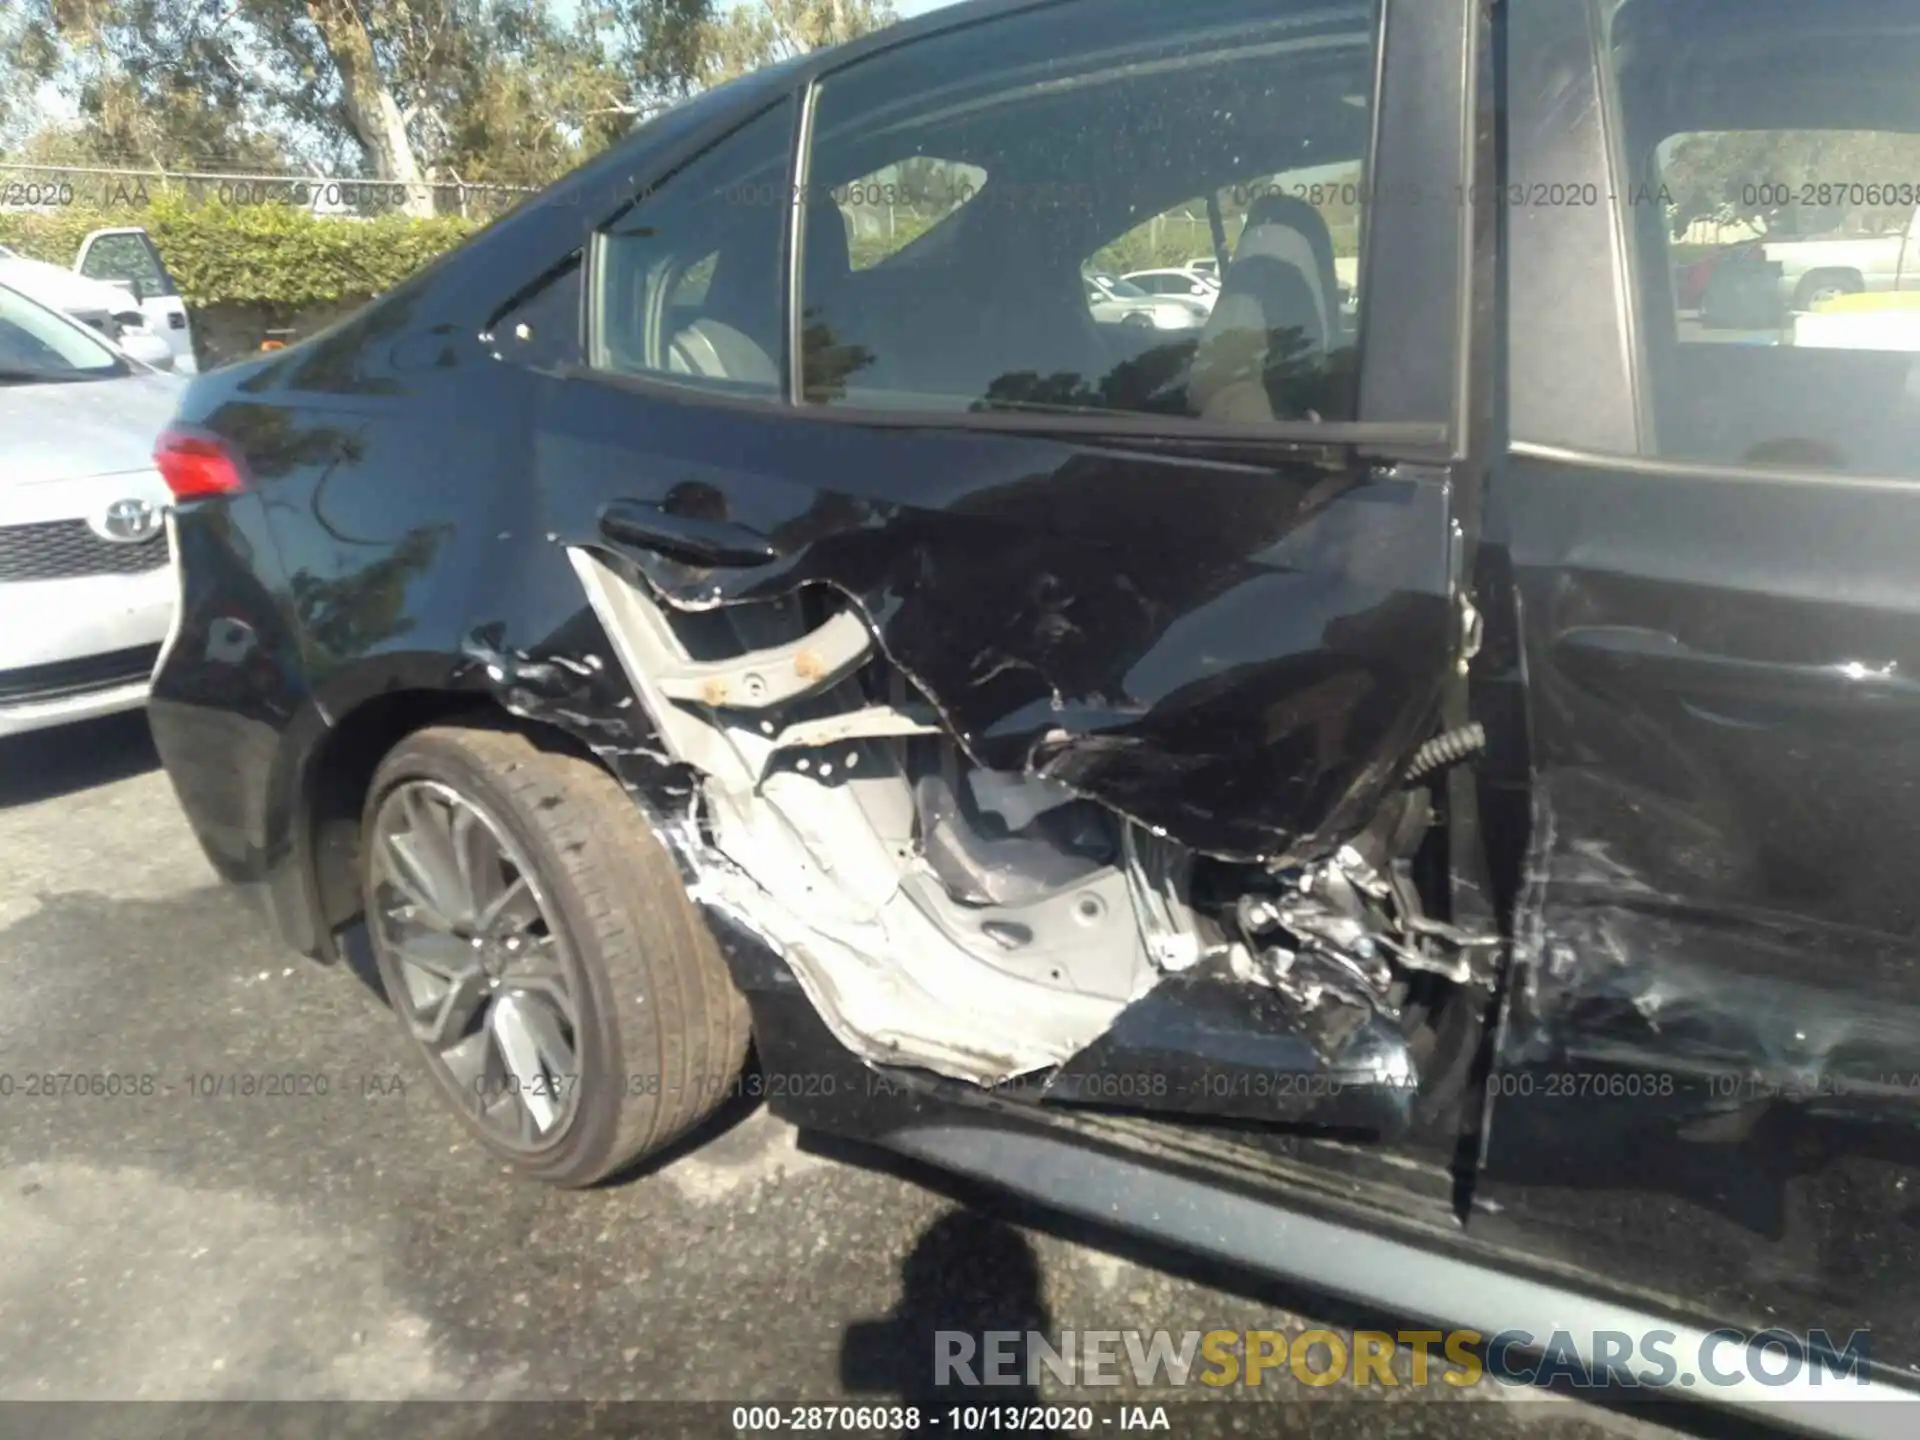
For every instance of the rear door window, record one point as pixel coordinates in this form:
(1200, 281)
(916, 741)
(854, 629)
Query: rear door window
(1097, 155)
(888, 210)
(1772, 191)
(687, 282)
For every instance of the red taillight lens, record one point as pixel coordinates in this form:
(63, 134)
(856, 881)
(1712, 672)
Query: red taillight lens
(196, 466)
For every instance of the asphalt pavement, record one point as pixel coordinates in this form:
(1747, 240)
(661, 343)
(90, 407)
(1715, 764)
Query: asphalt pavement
(163, 1238)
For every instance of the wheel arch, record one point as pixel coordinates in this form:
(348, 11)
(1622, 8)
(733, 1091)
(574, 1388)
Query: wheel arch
(333, 785)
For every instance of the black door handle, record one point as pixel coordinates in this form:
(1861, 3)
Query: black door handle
(710, 544)
(1658, 660)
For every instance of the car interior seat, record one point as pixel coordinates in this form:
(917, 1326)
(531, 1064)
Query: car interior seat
(1278, 313)
(737, 336)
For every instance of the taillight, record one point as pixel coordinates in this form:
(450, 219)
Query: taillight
(196, 466)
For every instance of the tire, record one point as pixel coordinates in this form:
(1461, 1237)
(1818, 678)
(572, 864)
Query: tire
(1824, 283)
(1137, 321)
(659, 1032)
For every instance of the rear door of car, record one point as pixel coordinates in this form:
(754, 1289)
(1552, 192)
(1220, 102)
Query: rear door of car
(1222, 590)
(1706, 1085)
(128, 255)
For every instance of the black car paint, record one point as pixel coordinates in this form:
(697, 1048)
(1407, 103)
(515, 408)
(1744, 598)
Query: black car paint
(1704, 1076)
(1662, 810)
(1168, 635)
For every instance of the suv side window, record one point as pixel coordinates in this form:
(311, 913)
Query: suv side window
(1774, 202)
(1084, 121)
(687, 281)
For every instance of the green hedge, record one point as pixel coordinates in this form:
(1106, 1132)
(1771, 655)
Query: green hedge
(275, 255)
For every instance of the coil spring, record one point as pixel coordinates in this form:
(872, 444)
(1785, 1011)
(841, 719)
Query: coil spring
(1448, 749)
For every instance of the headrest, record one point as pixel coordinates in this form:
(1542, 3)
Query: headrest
(1269, 221)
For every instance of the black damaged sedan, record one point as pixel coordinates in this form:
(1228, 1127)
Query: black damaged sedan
(1410, 782)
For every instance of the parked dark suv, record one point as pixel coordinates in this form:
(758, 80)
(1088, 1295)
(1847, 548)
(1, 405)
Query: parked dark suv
(1425, 801)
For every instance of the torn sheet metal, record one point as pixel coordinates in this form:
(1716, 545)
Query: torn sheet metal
(1204, 1042)
(812, 849)
(970, 958)
(1237, 655)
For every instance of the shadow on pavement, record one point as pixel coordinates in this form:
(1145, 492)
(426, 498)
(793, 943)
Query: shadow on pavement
(46, 764)
(967, 1275)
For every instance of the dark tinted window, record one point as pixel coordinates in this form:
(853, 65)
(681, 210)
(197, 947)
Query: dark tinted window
(542, 327)
(688, 281)
(1775, 206)
(1085, 122)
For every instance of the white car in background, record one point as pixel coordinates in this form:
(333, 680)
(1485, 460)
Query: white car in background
(1188, 284)
(113, 310)
(86, 591)
(1114, 301)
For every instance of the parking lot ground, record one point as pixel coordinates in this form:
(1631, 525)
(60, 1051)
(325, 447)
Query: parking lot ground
(188, 1245)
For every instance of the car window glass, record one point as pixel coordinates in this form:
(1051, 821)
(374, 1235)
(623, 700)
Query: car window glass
(892, 207)
(37, 344)
(541, 329)
(126, 257)
(688, 280)
(1081, 132)
(1164, 241)
(1774, 205)
(1334, 194)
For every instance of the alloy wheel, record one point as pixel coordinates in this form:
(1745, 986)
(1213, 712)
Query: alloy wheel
(485, 982)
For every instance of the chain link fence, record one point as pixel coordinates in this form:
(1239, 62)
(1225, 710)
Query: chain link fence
(42, 187)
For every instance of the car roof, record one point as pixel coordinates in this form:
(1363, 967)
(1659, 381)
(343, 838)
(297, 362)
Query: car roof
(947, 17)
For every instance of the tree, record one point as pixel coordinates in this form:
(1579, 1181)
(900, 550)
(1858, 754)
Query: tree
(752, 37)
(412, 91)
(1802, 182)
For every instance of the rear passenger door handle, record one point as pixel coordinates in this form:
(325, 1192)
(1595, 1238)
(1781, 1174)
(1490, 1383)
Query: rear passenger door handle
(710, 544)
(1655, 660)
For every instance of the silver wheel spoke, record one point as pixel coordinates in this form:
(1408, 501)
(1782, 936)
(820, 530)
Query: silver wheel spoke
(442, 1009)
(476, 858)
(541, 974)
(536, 1053)
(419, 904)
(513, 910)
(483, 980)
(426, 849)
(442, 956)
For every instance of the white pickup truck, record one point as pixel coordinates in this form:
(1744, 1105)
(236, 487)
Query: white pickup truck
(1765, 281)
(1824, 267)
(126, 256)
